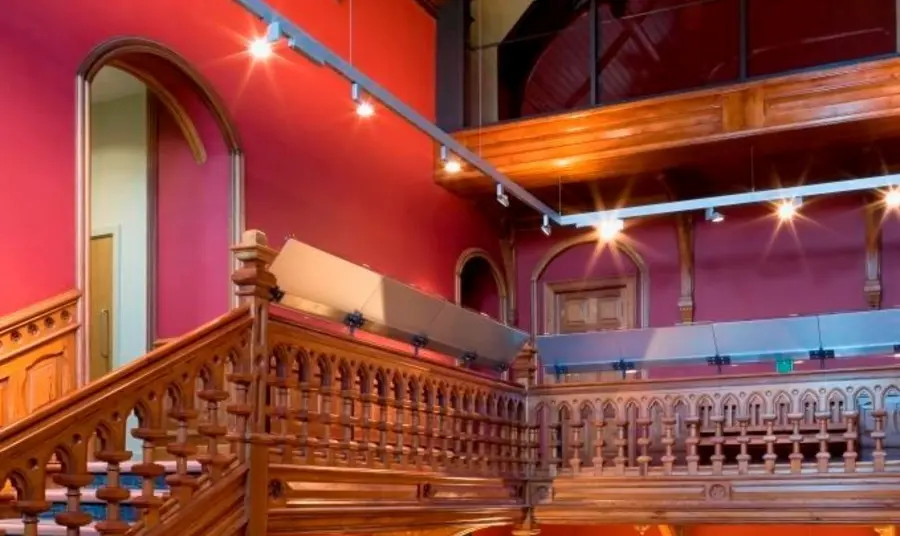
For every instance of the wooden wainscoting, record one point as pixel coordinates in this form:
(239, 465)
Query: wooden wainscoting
(37, 356)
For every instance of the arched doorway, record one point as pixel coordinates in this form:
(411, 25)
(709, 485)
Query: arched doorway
(166, 238)
(480, 285)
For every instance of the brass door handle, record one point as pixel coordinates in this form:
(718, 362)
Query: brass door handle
(105, 335)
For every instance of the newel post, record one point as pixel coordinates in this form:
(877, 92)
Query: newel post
(255, 288)
(524, 366)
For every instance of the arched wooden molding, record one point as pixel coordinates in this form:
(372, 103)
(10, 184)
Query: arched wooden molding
(561, 247)
(499, 279)
(508, 252)
(873, 212)
(171, 104)
(684, 229)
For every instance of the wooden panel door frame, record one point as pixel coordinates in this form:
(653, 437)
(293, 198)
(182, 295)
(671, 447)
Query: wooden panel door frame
(552, 290)
(115, 232)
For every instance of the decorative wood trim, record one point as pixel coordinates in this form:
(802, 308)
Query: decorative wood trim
(499, 279)
(684, 229)
(36, 325)
(552, 289)
(508, 252)
(663, 132)
(873, 212)
(560, 247)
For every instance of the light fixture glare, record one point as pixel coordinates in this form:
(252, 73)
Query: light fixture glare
(787, 209)
(609, 229)
(452, 165)
(260, 49)
(892, 198)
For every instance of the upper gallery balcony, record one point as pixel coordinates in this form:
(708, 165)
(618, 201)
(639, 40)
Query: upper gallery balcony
(580, 101)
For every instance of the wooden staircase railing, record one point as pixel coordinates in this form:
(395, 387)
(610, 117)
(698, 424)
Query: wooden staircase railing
(192, 385)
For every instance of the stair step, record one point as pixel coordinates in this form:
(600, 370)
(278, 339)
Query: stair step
(14, 527)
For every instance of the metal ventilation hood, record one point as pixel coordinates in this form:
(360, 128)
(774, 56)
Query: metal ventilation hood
(847, 334)
(330, 287)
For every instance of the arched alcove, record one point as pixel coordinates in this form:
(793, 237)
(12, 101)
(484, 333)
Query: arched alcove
(480, 284)
(621, 254)
(194, 192)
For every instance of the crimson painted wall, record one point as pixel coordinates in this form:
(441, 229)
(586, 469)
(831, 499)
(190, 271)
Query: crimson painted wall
(747, 267)
(362, 190)
(478, 288)
(192, 215)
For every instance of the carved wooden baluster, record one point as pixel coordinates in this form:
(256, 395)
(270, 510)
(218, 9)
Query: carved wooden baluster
(823, 457)
(415, 428)
(534, 438)
(692, 440)
(34, 505)
(348, 446)
(878, 455)
(850, 436)
(303, 416)
(597, 460)
(153, 435)
(74, 478)
(367, 426)
(462, 444)
(240, 409)
(644, 440)
(326, 420)
(400, 449)
(277, 407)
(384, 452)
(445, 422)
(214, 393)
(112, 493)
(483, 445)
(473, 440)
(743, 440)
(621, 443)
(796, 438)
(718, 457)
(770, 457)
(668, 441)
(576, 445)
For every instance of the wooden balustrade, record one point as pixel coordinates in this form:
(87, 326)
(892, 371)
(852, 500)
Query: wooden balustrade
(337, 401)
(197, 386)
(816, 422)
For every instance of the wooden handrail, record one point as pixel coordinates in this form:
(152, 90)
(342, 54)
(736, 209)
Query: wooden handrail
(183, 394)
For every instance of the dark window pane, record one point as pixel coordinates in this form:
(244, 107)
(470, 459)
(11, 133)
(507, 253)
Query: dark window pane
(661, 46)
(785, 35)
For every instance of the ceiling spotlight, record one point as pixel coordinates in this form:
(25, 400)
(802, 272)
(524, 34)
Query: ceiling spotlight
(609, 229)
(364, 108)
(714, 216)
(892, 198)
(260, 49)
(502, 198)
(545, 226)
(788, 208)
(451, 164)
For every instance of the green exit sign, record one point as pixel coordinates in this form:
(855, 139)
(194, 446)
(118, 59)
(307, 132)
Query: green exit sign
(784, 366)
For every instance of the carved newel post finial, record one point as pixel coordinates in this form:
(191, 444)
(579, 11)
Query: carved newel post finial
(524, 366)
(256, 287)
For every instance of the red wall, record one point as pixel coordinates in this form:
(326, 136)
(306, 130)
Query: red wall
(362, 190)
(479, 290)
(747, 267)
(192, 217)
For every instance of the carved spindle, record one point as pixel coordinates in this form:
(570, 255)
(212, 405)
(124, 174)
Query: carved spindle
(281, 385)
(182, 482)
(483, 445)
(769, 458)
(30, 510)
(644, 441)
(367, 426)
(73, 518)
(384, 451)
(112, 493)
(303, 415)
(851, 436)
(597, 461)
(327, 420)
(718, 457)
(878, 455)
(577, 445)
(621, 444)
(668, 441)
(416, 450)
(348, 446)
(400, 450)
(534, 437)
(743, 458)
(796, 439)
(692, 440)
(213, 461)
(153, 436)
(823, 457)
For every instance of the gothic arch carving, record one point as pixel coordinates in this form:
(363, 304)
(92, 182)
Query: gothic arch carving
(502, 288)
(561, 247)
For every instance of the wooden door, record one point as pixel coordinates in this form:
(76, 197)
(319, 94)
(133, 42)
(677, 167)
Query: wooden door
(595, 309)
(101, 305)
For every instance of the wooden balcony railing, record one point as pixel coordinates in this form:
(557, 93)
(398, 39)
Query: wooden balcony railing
(823, 421)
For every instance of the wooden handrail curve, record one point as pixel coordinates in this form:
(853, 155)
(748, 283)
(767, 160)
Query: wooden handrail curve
(184, 388)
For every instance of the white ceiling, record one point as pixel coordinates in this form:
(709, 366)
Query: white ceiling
(111, 83)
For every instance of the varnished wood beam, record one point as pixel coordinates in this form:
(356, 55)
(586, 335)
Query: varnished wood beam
(873, 212)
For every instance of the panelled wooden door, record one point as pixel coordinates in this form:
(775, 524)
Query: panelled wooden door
(591, 305)
(101, 304)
